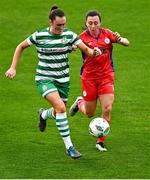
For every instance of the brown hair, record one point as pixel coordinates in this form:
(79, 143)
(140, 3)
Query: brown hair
(93, 13)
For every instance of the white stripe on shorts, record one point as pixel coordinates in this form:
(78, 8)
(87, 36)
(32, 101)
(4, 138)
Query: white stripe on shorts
(49, 91)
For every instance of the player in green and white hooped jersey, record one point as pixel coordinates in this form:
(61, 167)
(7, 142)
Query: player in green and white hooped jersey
(52, 75)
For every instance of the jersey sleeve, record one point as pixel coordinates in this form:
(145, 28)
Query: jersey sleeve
(76, 40)
(32, 39)
(111, 35)
(84, 38)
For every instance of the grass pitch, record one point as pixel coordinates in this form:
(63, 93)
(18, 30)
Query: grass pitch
(27, 153)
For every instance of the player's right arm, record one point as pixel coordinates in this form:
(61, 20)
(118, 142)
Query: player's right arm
(88, 51)
(11, 72)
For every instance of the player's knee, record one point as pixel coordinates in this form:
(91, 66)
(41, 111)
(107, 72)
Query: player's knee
(60, 108)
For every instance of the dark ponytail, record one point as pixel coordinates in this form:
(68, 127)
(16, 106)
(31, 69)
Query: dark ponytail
(54, 7)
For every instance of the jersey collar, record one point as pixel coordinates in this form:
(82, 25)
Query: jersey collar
(88, 32)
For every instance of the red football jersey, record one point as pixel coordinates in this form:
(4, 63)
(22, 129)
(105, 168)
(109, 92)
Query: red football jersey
(98, 67)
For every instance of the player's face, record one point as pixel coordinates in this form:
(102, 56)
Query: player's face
(57, 26)
(93, 23)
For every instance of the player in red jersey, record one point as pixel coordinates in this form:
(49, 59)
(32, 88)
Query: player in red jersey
(97, 73)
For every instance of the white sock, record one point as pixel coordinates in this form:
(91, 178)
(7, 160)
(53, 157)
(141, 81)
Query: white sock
(48, 113)
(67, 142)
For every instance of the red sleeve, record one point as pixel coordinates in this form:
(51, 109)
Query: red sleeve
(83, 36)
(111, 35)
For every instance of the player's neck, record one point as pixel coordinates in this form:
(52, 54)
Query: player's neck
(95, 34)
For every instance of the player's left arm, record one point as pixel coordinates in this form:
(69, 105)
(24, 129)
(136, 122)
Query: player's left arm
(121, 40)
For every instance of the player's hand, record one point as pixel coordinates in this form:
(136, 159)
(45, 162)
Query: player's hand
(96, 51)
(74, 47)
(10, 73)
(118, 36)
(121, 40)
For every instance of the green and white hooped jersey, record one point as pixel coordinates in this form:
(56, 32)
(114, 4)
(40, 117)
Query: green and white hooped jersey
(53, 54)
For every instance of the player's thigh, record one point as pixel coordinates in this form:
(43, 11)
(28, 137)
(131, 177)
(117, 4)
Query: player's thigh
(63, 90)
(55, 100)
(46, 87)
(106, 94)
(50, 92)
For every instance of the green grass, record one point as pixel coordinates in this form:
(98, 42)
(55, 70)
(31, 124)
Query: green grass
(26, 153)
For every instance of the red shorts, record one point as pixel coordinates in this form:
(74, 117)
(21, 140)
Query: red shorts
(92, 88)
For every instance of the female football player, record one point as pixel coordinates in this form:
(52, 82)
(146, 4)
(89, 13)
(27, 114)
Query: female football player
(97, 73)
(52, 74)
